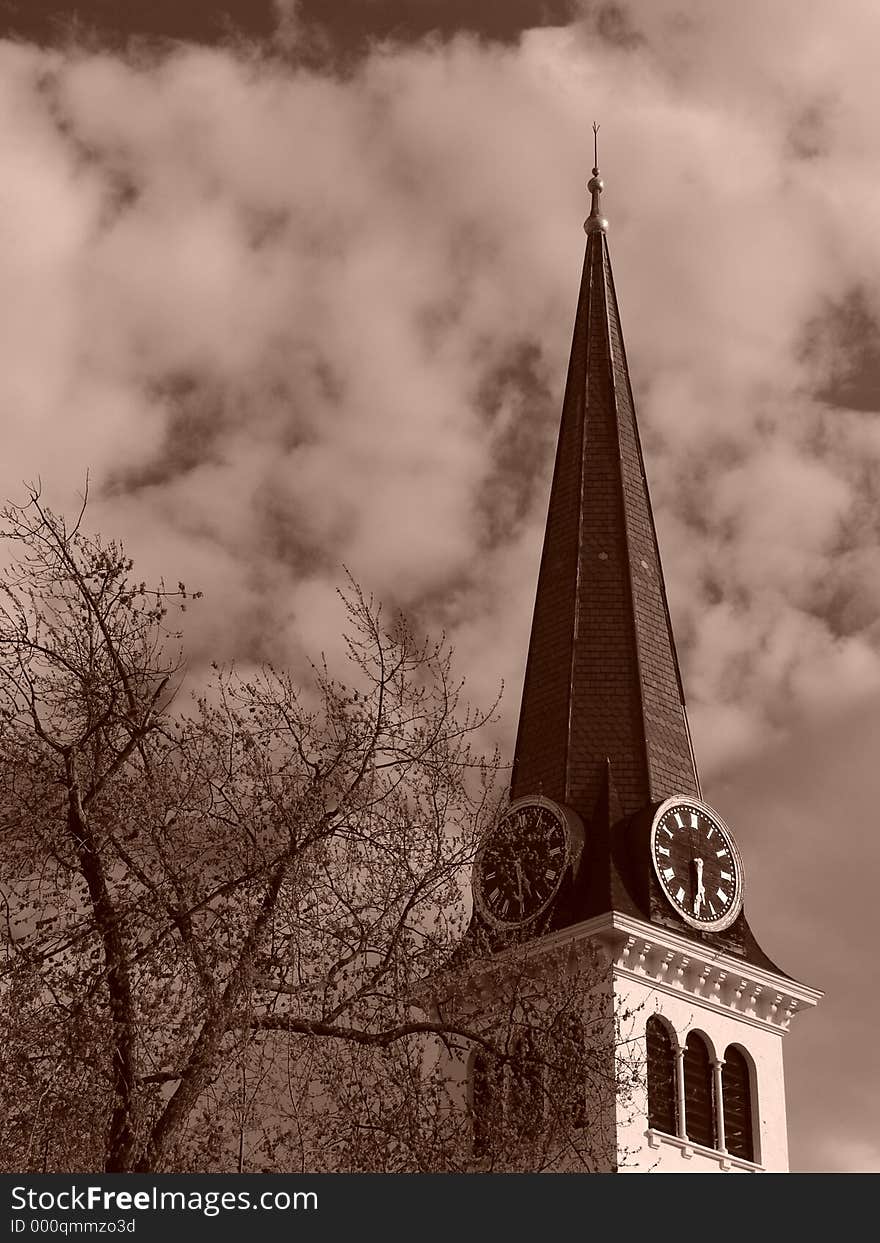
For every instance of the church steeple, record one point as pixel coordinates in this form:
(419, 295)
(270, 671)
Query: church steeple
(607, 843)
(602, 681)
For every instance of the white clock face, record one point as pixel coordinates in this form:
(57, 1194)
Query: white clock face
(697, 863)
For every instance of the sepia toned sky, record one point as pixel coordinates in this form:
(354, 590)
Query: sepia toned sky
(295, 283)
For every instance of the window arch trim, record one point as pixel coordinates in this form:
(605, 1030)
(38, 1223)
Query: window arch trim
(750, 1150)
(485, 1101)
(662, 1075)
(567, 1083)
(700, 1109)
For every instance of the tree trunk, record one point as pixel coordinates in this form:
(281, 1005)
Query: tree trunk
(121, 1135)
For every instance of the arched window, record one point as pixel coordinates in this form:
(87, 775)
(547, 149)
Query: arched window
(525, 1094)
(699, 1110)
(736, 1092)
(661, 1076)
(567, 1071)
(486, 1102)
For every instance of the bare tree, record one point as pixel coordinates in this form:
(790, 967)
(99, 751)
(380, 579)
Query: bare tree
(227, 929)
(539, 1090)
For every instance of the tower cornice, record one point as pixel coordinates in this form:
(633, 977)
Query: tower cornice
(676, 964)
(635, 949)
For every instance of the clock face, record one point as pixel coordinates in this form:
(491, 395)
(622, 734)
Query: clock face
(520, 866)
(697, 863)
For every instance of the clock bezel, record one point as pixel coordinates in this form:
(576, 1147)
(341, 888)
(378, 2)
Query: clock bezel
(570, 825)
(732, 914)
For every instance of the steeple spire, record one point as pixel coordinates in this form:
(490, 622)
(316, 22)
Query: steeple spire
(602, 681)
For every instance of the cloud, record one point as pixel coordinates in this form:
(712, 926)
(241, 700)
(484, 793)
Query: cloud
(805, 814)
(292, 319)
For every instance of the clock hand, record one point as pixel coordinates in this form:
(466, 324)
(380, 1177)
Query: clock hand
(519, 886)
(700, 895)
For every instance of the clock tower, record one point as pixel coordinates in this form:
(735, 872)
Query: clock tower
(608, 846)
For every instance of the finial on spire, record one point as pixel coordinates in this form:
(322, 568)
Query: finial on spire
(595, 222)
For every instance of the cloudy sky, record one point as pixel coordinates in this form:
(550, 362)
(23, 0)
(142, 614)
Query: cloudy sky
(295, 283)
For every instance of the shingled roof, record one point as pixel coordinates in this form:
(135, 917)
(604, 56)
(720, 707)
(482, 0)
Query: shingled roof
(602, 680)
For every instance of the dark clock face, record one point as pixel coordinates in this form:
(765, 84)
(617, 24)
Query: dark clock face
(520, 866)
(697, 863)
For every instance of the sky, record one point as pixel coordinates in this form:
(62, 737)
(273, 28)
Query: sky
(295, 284)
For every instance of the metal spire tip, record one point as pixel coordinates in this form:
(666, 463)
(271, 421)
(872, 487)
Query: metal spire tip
(595, 222)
